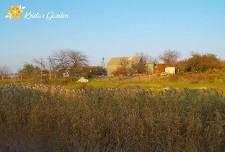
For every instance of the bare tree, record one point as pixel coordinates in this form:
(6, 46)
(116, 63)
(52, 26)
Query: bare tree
(76, 59)
(4, 71)
(169, 56)
(68, 58)
(150, 59)
(60, 60)
(147, 58)
(41, 63)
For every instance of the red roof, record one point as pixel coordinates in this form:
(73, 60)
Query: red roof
(160, 68)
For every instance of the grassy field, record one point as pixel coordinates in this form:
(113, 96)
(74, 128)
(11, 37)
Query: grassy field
(112, 120)
(150, 84)
(197, 81)
(192, 81)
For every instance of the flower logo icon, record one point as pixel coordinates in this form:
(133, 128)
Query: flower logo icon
(15, 12)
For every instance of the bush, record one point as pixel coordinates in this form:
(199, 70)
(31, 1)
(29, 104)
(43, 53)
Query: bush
(199, 63)
(87, 71)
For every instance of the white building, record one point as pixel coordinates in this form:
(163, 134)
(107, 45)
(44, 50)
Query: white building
(170, 70)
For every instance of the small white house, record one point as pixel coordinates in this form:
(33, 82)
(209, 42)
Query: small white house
(170, 70)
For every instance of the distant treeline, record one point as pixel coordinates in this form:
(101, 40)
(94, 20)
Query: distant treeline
(64, 63)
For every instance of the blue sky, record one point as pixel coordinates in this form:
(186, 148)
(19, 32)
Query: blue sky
(101, 28)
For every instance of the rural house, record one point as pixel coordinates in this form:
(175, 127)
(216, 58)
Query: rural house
(116, 62)
(160, 68)
(168, 68)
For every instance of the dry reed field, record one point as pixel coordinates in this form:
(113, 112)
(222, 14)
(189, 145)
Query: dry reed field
(111, 120)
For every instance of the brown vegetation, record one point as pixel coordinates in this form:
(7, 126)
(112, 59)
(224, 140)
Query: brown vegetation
(112, 120)
(200, 63)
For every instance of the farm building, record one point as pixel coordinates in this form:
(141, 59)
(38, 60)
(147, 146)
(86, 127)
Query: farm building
(150, 67)
(168, 68)
(116, 62)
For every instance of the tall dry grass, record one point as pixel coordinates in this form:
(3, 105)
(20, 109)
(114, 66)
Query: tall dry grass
(120, 120)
